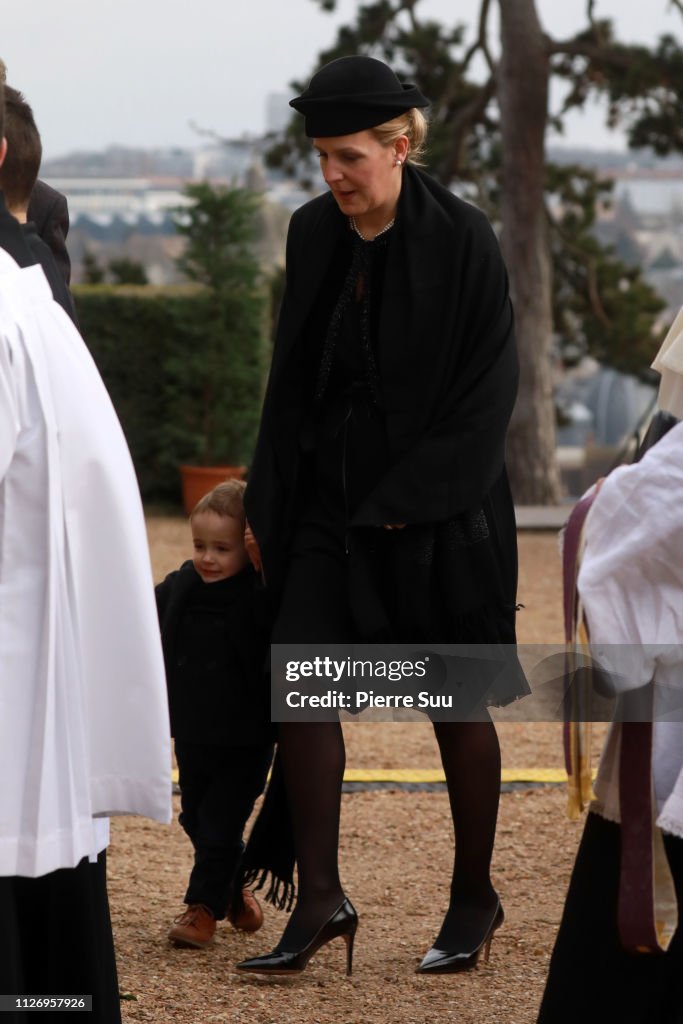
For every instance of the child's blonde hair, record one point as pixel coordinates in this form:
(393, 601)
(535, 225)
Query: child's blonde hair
(227, 499)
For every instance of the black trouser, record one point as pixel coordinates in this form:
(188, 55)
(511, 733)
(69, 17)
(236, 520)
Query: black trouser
(592, 979)
(56, 939)
(219, 785)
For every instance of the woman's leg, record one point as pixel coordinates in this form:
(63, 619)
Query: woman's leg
(470, 754)
(314, 610)
(313, 759)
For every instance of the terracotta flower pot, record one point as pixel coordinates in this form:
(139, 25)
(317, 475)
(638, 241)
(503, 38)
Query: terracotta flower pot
(199, 480)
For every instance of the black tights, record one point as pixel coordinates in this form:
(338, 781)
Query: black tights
(470, 754)
(313, 760)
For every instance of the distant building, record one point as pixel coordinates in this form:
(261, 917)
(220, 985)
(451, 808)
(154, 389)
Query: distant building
(130, 199)
(121, 162)
(278, 111)
(227, 161)
(600, 410)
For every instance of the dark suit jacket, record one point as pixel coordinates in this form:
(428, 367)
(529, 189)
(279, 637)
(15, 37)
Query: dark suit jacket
(49, 212)
(12, 238)
(44, 256)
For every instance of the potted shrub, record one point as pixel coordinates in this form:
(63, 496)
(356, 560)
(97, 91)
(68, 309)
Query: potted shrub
(214, 381)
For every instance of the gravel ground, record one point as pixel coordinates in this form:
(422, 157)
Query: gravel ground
(395, 856)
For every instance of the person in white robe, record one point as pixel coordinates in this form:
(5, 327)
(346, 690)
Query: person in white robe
(630, 585)
(84, 730)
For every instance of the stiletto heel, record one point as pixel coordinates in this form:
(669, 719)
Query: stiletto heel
(350, 938)
(448, 961)
(342, 924)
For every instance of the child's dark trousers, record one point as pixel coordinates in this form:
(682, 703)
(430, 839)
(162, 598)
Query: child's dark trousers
(219, 785)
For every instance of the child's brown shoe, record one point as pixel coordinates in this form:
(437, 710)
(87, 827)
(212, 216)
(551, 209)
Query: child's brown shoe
(249, 917)
(194, 927)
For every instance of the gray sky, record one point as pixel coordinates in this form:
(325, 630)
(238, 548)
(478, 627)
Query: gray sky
(137, 72)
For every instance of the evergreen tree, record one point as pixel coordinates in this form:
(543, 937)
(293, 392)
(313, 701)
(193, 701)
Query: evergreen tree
(601, 305)
(93, 273)
(224, 360)
(127, 271)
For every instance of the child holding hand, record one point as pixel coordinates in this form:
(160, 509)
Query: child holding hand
(215, 634)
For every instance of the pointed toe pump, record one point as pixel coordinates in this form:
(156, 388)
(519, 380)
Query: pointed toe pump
(450, 961)
(342, 924)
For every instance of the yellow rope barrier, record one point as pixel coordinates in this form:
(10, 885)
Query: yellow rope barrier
(426, 775)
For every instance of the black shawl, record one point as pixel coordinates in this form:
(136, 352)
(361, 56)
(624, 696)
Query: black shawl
(448, 367)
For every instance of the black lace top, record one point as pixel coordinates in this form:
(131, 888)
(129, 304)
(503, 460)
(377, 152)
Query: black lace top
(345, 424)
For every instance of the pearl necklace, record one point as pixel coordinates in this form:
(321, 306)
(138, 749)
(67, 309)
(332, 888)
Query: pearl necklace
(386, 228)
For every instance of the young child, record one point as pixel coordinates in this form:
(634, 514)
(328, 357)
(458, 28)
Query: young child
(214, 631)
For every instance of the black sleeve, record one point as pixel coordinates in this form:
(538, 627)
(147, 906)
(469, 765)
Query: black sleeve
(49, 211)
(60, 292)
(162, 592)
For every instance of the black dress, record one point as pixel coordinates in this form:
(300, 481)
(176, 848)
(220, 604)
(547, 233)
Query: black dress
(367, 584)
(343, 444)
(393, 379)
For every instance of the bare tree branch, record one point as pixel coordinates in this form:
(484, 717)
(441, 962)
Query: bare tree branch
(481, 43)
(483, 32)
(207, 133)
(464, 118)
(597, 28)
(575, 97)
(594, 294)
(409, 6)
(616, 56)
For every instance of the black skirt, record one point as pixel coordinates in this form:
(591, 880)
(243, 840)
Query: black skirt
(56, 939)
(435, 583)
(450, 582)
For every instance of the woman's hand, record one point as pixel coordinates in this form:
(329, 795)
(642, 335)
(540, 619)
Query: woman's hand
(394, 526)
(252, 548)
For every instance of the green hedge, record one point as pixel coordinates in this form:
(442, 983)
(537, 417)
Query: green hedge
(146, 342)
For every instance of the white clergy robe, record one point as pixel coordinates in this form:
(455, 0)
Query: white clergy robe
(83, 712)
(631, 588)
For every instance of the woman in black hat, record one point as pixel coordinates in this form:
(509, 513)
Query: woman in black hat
(378, 496)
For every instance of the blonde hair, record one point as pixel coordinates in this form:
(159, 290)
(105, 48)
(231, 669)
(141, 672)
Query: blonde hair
(226, 499)
(412, 123)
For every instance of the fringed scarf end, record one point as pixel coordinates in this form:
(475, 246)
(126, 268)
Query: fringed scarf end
(280, 893)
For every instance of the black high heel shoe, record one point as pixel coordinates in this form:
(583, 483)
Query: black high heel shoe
(342, 924)
(448, 961)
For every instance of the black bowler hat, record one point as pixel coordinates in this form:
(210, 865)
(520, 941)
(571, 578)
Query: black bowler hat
(351, 94)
